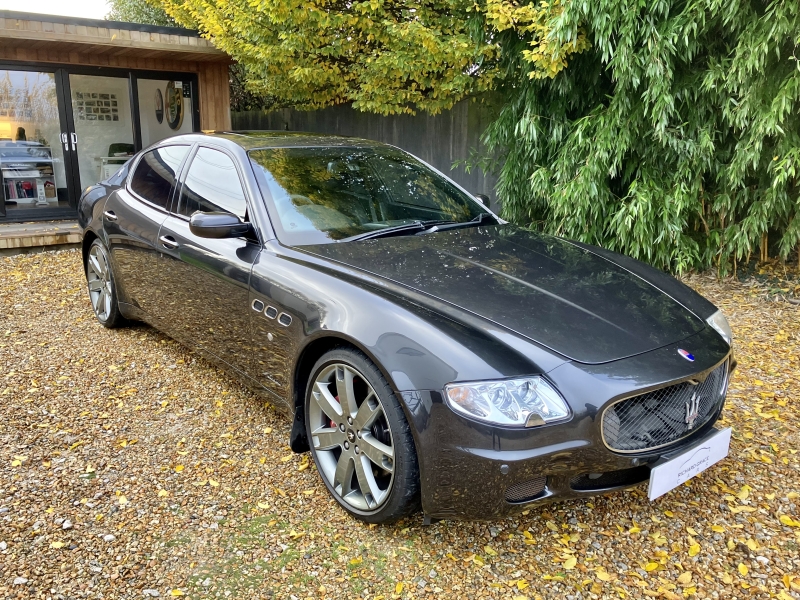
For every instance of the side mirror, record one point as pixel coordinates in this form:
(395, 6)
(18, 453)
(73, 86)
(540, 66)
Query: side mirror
(483, 199)
(218, 225)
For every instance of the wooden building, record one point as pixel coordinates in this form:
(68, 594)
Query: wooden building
(78, 96)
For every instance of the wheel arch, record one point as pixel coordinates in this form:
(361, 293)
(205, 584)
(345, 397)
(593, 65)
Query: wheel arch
(307, 358)
(88, 237)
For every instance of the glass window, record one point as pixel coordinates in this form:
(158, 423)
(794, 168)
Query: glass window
(32, 171)
(212, 185)
(165, 108)
(321, 195)
(101, 109)
(154, 177)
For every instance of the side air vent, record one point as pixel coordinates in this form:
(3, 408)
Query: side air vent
(285, 319)
(271, 312)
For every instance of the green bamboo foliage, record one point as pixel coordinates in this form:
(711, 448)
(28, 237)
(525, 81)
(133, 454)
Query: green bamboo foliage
(675, 138)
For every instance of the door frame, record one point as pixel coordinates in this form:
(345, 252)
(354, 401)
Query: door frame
(61, 73)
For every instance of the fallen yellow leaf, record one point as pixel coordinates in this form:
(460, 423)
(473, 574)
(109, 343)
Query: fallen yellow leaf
(570, 563)
(651, 566)
(178, 469)
(57, 545)
(489, 551)
(122, 500)
(789, 521)
(694, 549)
(163, 493)
(743, 570)
(213, 483)
(685, 577)
(263, 505)
(176, 593)
(398, 589)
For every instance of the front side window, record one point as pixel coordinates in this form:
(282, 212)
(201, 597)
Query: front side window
(323, 195)
(212, 185)
(154, 177)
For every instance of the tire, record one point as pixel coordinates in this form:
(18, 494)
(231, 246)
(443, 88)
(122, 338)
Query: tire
(101, 285)
(365, 443)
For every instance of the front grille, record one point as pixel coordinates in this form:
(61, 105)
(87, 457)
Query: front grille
(659, 418)
(601, 481)
(526, 491)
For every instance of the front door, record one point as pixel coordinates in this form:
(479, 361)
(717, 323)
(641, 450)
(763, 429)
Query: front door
(205, 282)
(102, 128)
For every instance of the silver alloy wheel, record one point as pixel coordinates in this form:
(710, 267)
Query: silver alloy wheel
(98, 276)
(351, 437)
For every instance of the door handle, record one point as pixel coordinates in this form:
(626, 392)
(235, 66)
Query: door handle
(109, 214)
(74, 137)
(65, 141)
(168, 242)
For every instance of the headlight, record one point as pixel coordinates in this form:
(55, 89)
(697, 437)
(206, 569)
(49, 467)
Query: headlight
(522, 402)
(720, 323)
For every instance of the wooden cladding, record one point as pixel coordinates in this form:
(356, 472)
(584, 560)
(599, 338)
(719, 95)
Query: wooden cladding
(100, 39)
(63, 44)
(215, 97)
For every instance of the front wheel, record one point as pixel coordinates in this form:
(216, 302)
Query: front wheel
(360, 439)
(102, 288)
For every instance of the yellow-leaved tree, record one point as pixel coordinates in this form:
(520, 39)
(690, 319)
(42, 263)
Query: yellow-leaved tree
(384, 56)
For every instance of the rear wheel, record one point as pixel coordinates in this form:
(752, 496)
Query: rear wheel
(102, 289)
(360, 439)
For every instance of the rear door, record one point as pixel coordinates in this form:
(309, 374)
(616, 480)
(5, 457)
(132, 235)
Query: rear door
(205, 282)
(132, 216)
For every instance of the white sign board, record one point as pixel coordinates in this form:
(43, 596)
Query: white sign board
(686, 465)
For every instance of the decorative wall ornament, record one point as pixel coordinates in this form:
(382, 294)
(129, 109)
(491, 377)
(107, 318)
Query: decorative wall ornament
(159, 101)
(174, 104)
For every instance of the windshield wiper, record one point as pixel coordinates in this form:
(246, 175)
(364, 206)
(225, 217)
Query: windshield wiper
(404, 229)
(476, 222)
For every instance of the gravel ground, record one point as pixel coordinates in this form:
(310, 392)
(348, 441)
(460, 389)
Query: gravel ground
(131, 469)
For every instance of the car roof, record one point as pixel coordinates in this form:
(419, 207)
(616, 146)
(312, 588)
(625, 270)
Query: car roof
(251, 140)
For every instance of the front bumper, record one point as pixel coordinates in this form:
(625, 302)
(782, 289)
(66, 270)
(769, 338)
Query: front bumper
(472, 470)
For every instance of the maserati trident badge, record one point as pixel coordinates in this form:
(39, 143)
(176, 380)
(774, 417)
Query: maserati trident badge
(692, 410)
(687, 355)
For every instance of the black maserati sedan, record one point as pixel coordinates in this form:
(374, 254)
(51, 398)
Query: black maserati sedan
(427, 352)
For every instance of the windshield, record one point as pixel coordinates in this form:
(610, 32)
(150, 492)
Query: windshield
(322, 195)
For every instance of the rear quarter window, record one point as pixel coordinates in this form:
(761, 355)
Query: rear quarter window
(154, 177)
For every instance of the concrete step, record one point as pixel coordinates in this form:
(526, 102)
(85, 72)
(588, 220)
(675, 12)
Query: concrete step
(22, 237)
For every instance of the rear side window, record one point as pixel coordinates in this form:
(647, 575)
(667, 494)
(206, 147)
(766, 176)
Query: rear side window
(212, 185)
(154, 177)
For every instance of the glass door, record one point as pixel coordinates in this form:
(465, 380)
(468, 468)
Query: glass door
(165, 108)
(33, 174)
(103, 128)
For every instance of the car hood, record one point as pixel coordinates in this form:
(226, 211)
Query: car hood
(583, 306)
